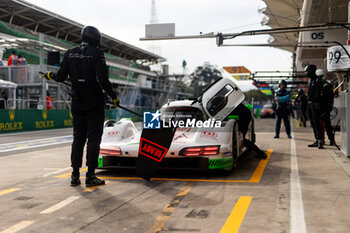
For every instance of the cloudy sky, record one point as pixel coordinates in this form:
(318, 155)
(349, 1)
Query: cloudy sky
(126, 19)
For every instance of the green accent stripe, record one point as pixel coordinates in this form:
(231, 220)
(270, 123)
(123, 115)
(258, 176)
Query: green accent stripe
(133, 143)
(235, 117)
(220, 163)
(100, 162)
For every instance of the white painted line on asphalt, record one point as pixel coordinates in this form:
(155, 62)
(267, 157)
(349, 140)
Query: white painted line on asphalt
(60, 205)
(56, 171)
(297, 217)
(34, 132)
(7, 147)
(36, 140)
(19, 226)
(31, 147)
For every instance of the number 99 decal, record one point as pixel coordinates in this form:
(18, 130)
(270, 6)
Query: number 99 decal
(334, 57)
(337, 59)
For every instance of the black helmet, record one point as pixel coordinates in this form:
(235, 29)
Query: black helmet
(310, 69)
(282, 82)
(91, 35)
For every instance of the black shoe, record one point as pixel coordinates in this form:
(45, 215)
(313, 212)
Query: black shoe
(320, 145)
(315, 144)
(332, 143)
(261, 155)
(289, 136)
(276, 136)
(75, 181)
(92, 180)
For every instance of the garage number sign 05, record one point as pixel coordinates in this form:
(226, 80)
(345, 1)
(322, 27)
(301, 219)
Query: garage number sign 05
(317, 35)
(337, 59)
(313, 36)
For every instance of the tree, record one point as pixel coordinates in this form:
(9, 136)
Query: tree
(204, 76)
(257, 95)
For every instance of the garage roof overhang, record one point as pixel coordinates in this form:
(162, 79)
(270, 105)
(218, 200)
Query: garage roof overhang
(287, 13)
(282, 14)
(36, 19)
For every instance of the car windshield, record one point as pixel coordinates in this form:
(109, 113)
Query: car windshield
(182, 113)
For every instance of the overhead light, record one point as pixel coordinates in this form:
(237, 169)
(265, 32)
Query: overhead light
(271, 39)
(265, 20)
(262, 9)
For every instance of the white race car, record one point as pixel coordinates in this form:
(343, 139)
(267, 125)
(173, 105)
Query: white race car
(195, 148)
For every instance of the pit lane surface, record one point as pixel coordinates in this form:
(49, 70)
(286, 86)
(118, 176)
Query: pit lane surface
(297, 189)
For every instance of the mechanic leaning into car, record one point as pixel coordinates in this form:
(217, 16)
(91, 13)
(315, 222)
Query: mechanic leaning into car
(244, 119)
(317, 110)
(283, 109)
(87, 70)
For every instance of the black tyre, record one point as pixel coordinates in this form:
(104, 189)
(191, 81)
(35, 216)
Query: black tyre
(235, 146)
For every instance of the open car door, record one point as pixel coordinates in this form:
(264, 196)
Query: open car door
(220, 99)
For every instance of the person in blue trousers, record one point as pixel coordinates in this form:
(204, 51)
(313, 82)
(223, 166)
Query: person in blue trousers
(283, 109)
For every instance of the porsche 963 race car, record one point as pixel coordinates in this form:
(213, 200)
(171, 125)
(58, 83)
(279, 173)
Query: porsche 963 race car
(206, 137)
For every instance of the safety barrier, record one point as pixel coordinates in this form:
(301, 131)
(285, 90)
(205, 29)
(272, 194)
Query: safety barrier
(12, 120)
(31, 103)
(29, 119)
(59, 104)
(13, 103)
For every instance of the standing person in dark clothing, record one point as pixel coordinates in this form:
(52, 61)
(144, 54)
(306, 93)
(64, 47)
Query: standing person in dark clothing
(327, 100)
(283, 109)
(87, 70)
(314, 95)
(3, 100)
(245, 117)
(301, 103)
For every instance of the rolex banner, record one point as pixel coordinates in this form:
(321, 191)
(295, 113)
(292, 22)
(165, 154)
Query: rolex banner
(15, 120)
(154, 144)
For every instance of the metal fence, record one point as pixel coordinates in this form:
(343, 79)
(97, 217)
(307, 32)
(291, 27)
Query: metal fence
(135, 90)
(29, 85)
(28, 74)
